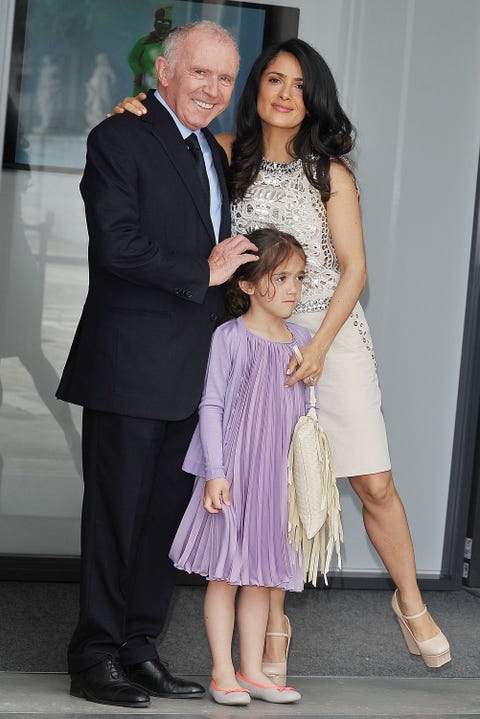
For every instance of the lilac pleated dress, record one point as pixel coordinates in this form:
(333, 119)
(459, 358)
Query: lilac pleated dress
(246, 422)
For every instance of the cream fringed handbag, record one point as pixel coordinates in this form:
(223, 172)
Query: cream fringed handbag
(314, 524)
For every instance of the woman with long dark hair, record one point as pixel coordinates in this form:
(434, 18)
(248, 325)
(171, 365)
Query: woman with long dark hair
(288, 166)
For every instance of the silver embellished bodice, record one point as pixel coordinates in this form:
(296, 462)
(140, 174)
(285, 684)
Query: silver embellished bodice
(283, 197)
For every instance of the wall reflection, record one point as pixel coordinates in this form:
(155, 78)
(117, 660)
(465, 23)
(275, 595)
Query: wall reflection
(43, 278)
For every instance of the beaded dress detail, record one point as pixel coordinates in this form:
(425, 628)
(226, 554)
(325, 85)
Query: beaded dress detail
(349, 408)
(281, 195)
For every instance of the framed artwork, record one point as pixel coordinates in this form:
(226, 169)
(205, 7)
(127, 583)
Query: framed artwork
(72, 61)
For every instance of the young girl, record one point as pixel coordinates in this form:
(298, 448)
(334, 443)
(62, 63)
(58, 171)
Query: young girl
(234, 531)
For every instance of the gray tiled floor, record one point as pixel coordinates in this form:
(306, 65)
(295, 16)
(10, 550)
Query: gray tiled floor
(46, 695)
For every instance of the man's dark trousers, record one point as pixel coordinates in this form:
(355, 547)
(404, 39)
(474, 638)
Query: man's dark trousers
(130, 516)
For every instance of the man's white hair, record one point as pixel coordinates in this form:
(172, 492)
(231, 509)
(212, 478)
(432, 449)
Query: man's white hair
(173, 43)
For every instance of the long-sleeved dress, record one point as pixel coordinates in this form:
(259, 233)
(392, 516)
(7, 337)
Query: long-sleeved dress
(246, 422)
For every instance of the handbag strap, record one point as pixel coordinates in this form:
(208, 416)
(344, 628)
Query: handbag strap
(298, 355)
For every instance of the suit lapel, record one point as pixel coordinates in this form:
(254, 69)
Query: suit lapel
(166, 132)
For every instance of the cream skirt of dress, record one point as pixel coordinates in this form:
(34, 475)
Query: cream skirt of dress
(350, 401)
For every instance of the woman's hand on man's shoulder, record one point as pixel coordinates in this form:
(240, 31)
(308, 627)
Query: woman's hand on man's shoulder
(131, 104)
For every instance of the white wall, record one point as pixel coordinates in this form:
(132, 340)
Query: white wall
(408, 74)
(419, 143)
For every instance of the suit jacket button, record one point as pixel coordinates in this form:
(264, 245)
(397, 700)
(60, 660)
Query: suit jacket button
(214, 317)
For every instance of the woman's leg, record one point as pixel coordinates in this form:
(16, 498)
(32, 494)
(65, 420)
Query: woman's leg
(219, 614)
(252, 615)
(387, 528)
(276, 647)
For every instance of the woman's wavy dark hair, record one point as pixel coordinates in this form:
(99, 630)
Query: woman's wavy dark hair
(274, 248)
(325, 133)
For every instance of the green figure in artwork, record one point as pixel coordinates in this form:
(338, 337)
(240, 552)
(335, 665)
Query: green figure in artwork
(143, 54)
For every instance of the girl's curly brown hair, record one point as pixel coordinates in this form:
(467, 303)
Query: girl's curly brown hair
(274, 248)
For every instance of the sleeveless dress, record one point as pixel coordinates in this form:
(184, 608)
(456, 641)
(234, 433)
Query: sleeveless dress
(246, 422)
(349, 395)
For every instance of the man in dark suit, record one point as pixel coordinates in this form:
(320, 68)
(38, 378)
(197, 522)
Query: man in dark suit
(137, 363)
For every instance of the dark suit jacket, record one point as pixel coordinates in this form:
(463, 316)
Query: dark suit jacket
(142, 342)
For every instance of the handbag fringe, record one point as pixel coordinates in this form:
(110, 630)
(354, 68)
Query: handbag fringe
(317, 551)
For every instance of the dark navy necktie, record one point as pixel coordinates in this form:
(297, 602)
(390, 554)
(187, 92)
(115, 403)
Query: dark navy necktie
(197, 154)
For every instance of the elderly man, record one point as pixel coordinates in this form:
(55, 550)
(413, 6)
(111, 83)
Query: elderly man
(157, 213)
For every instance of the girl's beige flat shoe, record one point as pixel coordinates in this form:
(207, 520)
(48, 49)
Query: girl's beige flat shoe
(435, 652)
(274, 695)
(277, 671)
(229, 697)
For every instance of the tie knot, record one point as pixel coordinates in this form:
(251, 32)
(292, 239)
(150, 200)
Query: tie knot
(193, 143)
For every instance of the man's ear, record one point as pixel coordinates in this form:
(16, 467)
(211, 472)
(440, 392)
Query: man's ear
(163, 71)
(246, 287)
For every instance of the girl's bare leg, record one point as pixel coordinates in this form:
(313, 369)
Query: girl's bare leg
(387, 528)
(252, 614)
(276, 647)
(219, 613)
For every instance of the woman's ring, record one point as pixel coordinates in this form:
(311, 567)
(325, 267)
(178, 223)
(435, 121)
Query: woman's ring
(310, 379)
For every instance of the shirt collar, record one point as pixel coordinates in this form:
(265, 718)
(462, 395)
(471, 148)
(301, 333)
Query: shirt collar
(184, 131)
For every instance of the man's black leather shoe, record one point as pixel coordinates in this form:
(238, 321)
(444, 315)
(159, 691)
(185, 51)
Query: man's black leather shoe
(157, 681)
(107, 683)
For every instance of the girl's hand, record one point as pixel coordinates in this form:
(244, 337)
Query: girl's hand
(311, 367)
(217, 492)
(132, 104)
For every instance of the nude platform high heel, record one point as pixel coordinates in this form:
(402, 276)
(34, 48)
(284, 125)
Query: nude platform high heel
(277, 671)
(435, 652)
